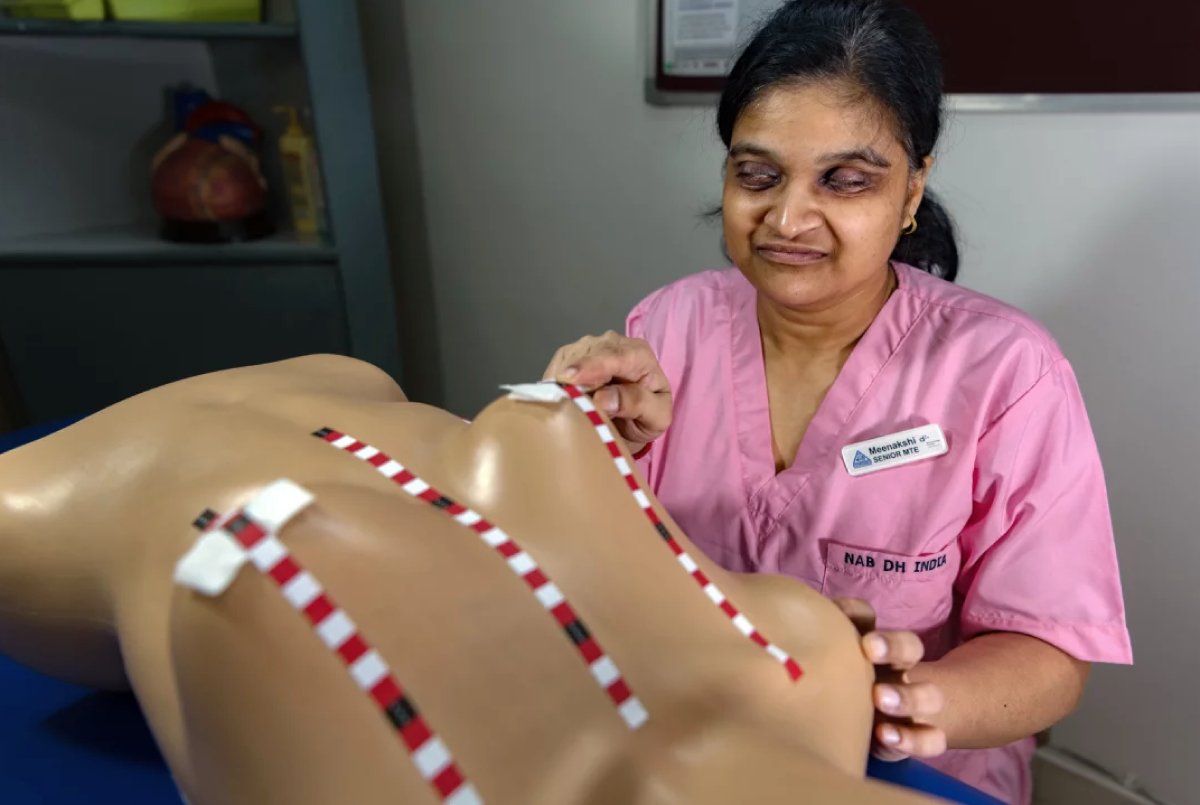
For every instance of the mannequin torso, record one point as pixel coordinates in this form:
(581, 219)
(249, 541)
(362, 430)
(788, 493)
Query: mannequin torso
(249, 707)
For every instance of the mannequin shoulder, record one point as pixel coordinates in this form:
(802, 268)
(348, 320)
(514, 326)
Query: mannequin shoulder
(332, 375)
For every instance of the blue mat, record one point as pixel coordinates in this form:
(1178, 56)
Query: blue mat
(65, 745)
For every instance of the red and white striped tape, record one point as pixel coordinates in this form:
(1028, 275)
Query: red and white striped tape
(551, 598)
(339, 633)
(584, 403)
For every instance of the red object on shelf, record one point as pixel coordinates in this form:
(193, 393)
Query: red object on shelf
(221, 112)
(207, 184)
(206, 192)
(201, 181)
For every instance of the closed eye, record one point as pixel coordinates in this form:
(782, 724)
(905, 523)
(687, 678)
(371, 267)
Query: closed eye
(756, 176)
(847, 181)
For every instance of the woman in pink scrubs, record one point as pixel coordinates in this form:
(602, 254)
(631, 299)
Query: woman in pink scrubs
(834, 409)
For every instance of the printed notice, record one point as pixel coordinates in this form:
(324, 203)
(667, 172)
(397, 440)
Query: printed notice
(706, 23)
(701, 38)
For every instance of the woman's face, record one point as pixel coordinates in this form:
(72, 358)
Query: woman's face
(817, 189)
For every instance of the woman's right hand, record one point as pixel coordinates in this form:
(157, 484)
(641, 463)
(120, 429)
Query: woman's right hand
(625, 380)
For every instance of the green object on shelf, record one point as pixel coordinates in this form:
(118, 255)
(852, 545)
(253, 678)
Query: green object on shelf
(55, 9)
(147, 30)
(187, 10)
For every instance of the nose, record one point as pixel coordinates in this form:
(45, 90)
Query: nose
(794, 213)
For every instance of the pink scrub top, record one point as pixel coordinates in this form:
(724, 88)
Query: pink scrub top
(1009, 530)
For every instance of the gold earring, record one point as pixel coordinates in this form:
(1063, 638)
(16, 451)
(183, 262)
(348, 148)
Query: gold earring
(910, 227)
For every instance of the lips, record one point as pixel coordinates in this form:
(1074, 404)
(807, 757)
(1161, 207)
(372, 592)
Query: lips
(791, 255)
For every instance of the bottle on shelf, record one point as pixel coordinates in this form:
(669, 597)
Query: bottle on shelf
(302, 175)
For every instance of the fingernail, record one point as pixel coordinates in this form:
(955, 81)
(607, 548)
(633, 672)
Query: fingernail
(570, 373)
(889, 735)
(609, 403)
(877, 648)
(889, 698)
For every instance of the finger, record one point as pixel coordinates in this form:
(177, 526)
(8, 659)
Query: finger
(627, 360)
(556, 365)
(860, 613)
(639, 414)
(899, 650)
(601, 368)
(920, 701)
(633, 401)
(886, 745)
(608, 399)
(900, 740)
(564, 367)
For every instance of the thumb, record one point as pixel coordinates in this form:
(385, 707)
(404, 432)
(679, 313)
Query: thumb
(639, 414)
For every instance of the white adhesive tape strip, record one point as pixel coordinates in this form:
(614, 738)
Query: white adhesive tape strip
(212, 564)
(215, 560)
(278, 503)
(544, 392)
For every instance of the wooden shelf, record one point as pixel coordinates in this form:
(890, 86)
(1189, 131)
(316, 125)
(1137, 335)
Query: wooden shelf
(139, 245)
(148, 30)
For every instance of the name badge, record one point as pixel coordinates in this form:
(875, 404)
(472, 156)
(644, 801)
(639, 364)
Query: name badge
(894, 450)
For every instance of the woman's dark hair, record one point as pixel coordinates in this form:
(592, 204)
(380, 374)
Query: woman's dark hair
(879, 47)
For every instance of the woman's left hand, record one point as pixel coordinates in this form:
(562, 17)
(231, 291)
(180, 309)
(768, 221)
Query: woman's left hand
(903, 710)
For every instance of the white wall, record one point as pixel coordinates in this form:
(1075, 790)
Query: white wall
(556, 197)
(390, 76)
(1089, 221)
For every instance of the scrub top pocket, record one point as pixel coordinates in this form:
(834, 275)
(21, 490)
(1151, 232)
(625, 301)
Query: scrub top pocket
(907, 591)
